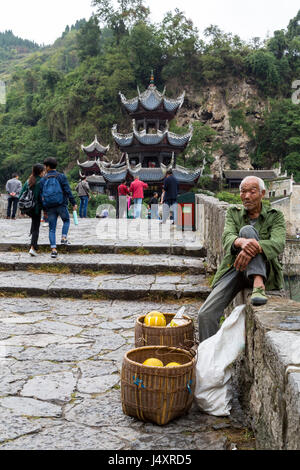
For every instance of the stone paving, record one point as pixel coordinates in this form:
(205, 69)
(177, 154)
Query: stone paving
(60, 358)
(105, 233)
(60, 363)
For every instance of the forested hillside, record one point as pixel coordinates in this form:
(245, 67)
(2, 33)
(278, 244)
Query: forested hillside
(59, 97)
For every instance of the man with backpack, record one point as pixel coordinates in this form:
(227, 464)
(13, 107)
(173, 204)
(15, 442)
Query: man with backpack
(55, 194)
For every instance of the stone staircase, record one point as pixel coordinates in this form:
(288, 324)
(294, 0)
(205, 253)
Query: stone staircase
(65, 325)
(103, 276)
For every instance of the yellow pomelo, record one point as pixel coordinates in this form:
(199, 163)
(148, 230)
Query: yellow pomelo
(173, 364)
(155, 319)
(152, 361)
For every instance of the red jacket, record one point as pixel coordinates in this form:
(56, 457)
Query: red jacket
(123, 190)
(137, 188)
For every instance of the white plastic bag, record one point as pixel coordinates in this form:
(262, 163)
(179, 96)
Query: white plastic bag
(213, 371)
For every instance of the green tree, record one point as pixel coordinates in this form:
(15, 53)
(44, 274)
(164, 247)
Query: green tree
(278, 44)
(88, 39)
(123, 18)
(231, 152)
(201, 147)
(263, 66)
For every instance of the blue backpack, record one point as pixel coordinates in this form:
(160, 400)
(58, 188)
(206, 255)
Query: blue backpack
(52, 193)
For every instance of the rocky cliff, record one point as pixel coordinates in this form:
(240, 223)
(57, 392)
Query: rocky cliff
(212, 106)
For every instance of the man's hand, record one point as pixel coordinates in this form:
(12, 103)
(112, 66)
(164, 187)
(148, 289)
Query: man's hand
(249, 245)
(75, 207)
(242, 261)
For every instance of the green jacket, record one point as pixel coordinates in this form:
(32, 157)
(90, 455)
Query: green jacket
(272, 233)
(36, 194)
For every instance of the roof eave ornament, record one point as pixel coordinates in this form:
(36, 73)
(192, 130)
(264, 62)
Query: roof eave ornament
(152, 84)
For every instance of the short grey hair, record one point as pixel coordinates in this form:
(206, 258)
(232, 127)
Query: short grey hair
(261, 183)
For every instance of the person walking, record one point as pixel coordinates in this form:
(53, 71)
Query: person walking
(169, 197)
(153, 206)
(55, 194)
(123, 192)
(13, 188)
(33, 183)
(83, 190)
(137, 190)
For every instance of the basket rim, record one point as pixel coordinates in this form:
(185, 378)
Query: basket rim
(172, 348)
(139, 322)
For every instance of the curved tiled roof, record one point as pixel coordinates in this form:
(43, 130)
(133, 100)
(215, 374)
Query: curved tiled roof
(241, 174)
(186, 176)
(179, 140)
(96, 179)
(149, 139)
(149, 174)
(151, 99)
(95, 146)
(118, 177)
(88, 164)
(126, 140)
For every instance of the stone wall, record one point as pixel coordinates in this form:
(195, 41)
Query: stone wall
(290, 206)
(269, 374)
(210, 220)
(279, 188)
(3, 206)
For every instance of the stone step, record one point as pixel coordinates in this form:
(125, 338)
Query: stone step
(104, 286)
(108, 263)
(111, 247)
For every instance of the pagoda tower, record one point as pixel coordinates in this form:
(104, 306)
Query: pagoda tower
(148, 151)
(95, 153)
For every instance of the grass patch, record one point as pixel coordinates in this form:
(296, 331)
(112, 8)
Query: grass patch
(243, 438)
(91, 272)
(172, 273)
(49, 268)
(134, 251)
(210, 279)
(14, 295)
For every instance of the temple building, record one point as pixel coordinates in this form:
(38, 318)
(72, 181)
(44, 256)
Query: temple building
(147, 151)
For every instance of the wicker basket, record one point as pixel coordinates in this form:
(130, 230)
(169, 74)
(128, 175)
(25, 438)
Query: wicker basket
(157, 394)
(179, 337)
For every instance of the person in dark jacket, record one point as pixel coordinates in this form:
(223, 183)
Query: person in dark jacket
(169, 197)
(13, 188)
(83, 190)
(153, 206)
(34, 184)
(60, 209)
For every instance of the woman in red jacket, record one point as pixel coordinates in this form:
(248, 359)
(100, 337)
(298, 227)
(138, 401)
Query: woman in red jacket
(137, 190)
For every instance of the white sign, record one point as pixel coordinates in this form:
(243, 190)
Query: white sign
(2, 93)
(296, 94)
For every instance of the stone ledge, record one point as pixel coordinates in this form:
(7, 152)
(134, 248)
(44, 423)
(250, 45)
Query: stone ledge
(269, 374)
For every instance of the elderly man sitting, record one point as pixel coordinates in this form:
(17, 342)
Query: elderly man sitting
(253, 238)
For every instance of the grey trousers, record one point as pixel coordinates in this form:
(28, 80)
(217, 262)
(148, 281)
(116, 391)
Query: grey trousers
(227, 288)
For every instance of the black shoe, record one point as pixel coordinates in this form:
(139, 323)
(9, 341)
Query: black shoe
(65, 241)
(54, 254)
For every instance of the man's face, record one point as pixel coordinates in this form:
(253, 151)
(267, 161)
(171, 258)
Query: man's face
(251, 195)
